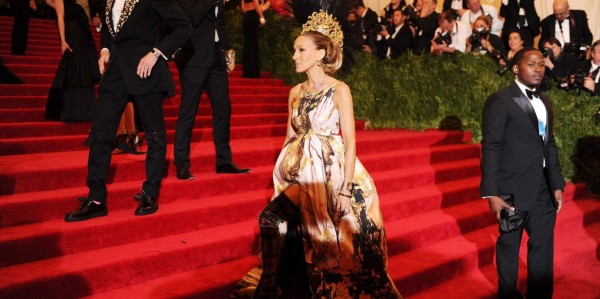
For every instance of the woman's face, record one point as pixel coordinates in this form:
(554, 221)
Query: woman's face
(515, 42)
(306, 54)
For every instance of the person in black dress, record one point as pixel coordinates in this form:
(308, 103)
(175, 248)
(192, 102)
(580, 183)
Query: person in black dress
(254, 19)
(71, 97)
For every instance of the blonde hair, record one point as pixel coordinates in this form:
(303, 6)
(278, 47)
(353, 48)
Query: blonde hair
(332, 61)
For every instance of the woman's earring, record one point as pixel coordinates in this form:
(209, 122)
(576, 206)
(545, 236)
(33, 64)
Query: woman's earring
(318, 62)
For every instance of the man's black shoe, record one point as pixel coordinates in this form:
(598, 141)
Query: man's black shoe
(232, 168)
(148, 204)
(184, 173)
(87, 210)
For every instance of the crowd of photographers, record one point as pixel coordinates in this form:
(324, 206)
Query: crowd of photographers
(572, 60)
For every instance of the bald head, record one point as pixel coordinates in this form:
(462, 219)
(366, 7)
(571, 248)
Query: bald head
(561, 9)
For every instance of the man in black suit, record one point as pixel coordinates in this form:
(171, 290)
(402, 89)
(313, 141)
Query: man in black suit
(399, 40)
(202, 66)
(20, 30)
(572, 25)
(137, 68)
(367, 19)
(425, 27)
(519, 158)
(592, 67)
(520, 15)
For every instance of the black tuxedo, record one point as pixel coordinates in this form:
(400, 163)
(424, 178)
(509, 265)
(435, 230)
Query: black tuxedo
(131, 41)
(578, 28)
(510, 13)
(512, 163)
(368, 26)
(425, 32)
(564, 65)
(202, 67)
(20, 30)
(398, 45)
(448, 5)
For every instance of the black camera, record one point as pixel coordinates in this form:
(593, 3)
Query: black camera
(578, 50)
(547, 52)
(500, 56)
(443, 37)
(574, 81)
(475, 39)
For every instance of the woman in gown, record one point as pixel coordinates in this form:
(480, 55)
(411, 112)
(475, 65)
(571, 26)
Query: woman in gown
(320, 184)
(71, 96)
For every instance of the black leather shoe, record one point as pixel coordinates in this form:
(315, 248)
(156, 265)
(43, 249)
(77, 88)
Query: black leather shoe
(87, 210)
(148, 204)
(184, 173)
(232, 168)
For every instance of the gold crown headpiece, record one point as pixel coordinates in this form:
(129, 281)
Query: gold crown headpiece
(326, 24)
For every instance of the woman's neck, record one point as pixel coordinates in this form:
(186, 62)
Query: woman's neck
(315, 77)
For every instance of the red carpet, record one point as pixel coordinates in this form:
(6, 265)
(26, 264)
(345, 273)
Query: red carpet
(204, 236)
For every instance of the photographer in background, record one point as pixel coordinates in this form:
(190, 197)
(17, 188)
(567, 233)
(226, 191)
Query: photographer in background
(592, 67)
(388, 11)
(570, 27)
(476, 10)
(559, 64)
(398, 40)
(515, 43)
(451, 35)
(368, 21)
(426, 24)
(484, 41)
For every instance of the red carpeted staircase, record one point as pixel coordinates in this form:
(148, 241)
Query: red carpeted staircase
(204, 236)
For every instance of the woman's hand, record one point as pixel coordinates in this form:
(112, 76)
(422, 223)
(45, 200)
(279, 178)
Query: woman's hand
(64, 46)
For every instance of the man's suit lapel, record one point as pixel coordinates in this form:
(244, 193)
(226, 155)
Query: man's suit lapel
(109, 20)
(520, 99)
(126, 12)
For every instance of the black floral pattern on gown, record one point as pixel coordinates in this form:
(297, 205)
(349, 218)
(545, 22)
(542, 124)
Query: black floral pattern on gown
(72, 96)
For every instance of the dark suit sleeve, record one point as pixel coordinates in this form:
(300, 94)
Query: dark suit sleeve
(197, 10)
(174, 17)
(586, 34)
(494, 119)
(428, 24)
(533, 19)
(557, 181)
(105, 39)
(545, 25)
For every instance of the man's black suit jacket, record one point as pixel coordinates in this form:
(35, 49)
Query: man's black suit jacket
(137, 37)
(513, 152)
(565, 65)
(448, 5)
(579, 29)
(199, 49)
(510, 13)
(398, 45)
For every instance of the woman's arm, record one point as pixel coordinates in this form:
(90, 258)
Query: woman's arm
(343, 101)
(291, 98)
(59, 6)
(259, 11)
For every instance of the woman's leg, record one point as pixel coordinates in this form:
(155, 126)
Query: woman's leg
(129, 119)
(281, 209)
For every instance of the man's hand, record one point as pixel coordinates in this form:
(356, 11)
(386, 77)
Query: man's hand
(558, 195)
(496, 204)
(366, 48)
(64, 47)
(96, 21)
(104, 57)
(384, 32)
(548, 63)
(144, 69)
(589, 84)
(32, 5)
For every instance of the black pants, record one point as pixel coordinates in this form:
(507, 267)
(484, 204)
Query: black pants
(250, 61)
(20, 28)
(216, 83)
(539, 223)
(110, 106)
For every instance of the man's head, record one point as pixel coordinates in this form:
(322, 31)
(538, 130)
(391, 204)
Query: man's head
(398, 17)
(427, 7)
(395, 2)
(474, 5)
(554, 45)
(561, 9)
(359, 7)
(595, 52)
(529, 67)
(446, 21)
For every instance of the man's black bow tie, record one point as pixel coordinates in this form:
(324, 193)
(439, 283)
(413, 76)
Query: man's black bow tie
(533, 93)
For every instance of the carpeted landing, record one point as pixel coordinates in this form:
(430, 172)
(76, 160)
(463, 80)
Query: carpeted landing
(204, 237)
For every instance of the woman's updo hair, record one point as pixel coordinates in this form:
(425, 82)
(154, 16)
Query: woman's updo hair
(333, 54)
